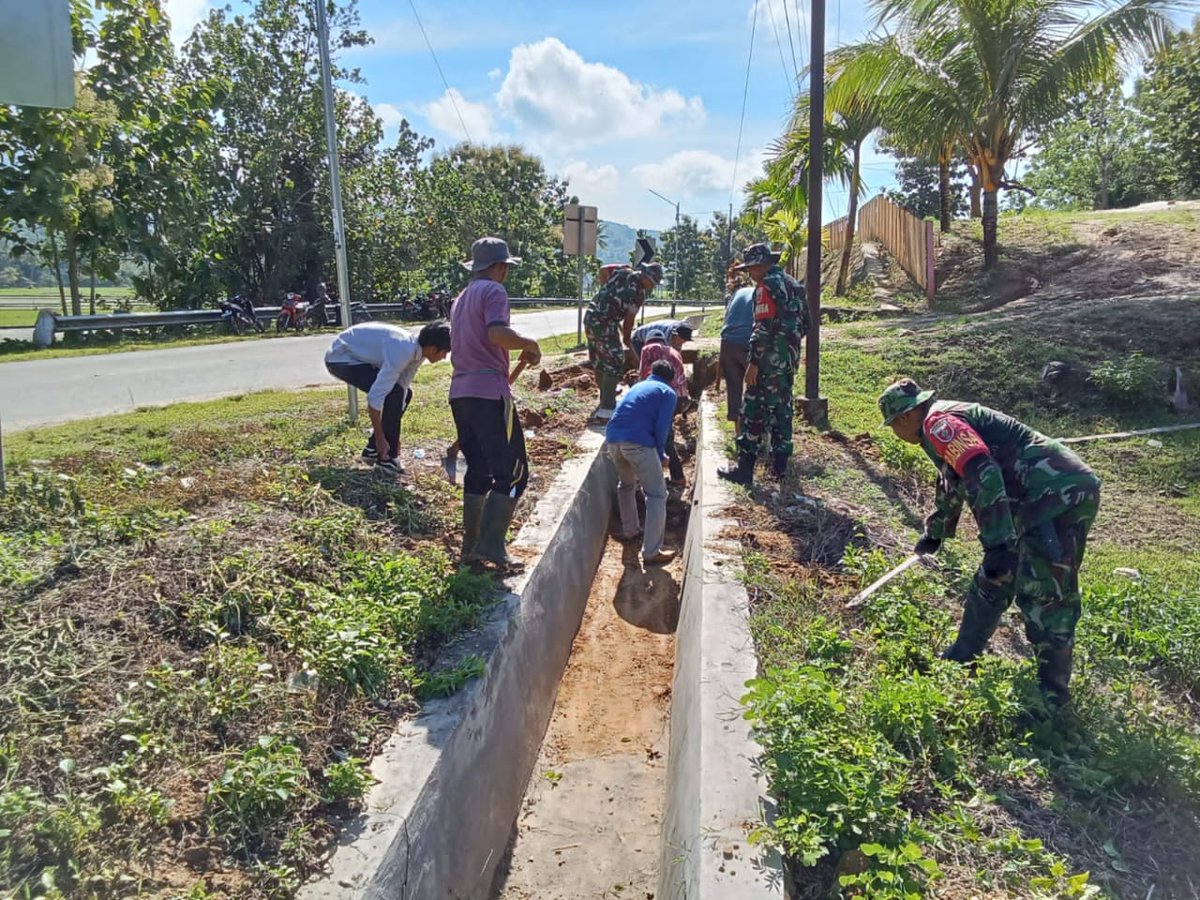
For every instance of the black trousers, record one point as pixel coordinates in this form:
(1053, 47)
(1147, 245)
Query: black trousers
(493, 444)
(362, 376)
(674, 463)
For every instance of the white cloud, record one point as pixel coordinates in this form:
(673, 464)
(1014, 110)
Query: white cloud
(552, 92)
(495, 74)
(444, 112)
(592, 184)
(389, 114)
(687, 174)
(184, 14)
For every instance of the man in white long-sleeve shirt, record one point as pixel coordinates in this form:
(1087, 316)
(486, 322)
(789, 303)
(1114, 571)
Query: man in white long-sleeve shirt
(382, 360)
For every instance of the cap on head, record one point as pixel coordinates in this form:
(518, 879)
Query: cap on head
(758, 255)
(683, 331)
(653, 271)
(900, 397)
(488, 251)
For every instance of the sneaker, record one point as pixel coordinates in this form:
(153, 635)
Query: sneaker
(661, 558)
(388, 467)
(370, 455)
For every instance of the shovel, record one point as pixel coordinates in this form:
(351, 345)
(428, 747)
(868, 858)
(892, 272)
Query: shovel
(450, 460)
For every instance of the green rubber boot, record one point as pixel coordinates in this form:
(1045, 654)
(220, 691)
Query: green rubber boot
(979, 622)
(497, 516)
(472, 519)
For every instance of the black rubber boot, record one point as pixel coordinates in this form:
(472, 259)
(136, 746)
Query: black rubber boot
(472, 519)
(742, 473)
(1054, 674)
(779, 463)
(497, 515)
(608, 389)
(979, 622)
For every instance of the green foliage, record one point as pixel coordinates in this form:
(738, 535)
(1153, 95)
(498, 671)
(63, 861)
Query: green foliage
(1128, 382)
(1168, 97)
(446, 682)
(346, 780)
(251, 797)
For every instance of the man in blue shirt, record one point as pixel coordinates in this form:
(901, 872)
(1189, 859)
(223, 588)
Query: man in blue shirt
(735, 345)
(637, 438)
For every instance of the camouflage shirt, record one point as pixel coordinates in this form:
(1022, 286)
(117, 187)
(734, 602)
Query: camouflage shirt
(621, 295)
(1014, 478)
(780, 320)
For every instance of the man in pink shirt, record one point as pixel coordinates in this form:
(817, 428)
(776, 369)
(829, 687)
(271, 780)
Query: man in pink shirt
(655, 349)
(489, 430)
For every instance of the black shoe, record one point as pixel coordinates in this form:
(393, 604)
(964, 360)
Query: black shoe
(779, 465)
(388, 467)
(370, 454)
(742, 473)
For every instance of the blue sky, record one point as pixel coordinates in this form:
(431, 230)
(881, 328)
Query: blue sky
(617, 96)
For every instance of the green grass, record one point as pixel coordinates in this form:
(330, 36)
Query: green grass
(116, 293)
(900, 775)
(210, 614)
(17, 318)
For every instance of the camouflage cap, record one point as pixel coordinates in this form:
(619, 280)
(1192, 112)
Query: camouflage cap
(900, 397)
(653, 271)
(758, 255)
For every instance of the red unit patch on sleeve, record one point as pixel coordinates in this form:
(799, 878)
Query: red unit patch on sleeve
(954, 440)
(764, 304)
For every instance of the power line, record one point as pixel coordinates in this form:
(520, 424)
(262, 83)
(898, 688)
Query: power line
(792, 41)
(745, 93)
(449, 91)
(779, 44)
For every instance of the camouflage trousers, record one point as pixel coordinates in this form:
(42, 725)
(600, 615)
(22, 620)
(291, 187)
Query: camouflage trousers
(604, 346)
(1046, 582)
(767, 409)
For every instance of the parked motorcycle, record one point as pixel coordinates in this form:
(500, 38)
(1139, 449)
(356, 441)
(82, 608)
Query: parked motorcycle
(326, 312)
(237, 314)
(293, 313)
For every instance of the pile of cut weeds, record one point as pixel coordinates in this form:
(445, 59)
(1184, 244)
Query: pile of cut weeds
(200, 655)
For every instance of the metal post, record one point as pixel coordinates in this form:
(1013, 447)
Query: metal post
(335, 188)
(579, 310)
(815, 408)
(3, 478)
(675, 270)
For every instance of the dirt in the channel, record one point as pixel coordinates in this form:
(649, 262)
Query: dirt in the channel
(590, 823)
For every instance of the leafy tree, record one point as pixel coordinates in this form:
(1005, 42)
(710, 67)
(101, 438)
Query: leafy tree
(687, 253)
(1098, 156)
(918, 187)
(1169, 97)
(993, 73)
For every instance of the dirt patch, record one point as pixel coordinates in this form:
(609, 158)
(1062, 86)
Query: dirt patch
(590, 823)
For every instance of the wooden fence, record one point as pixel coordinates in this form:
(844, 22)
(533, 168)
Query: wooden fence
(909, 239)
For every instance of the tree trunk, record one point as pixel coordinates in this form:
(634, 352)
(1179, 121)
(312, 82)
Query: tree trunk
(73, 273)
(976, 188)
(944, 198)
(991, 209)
(851, 219)
(1102, 199)
(92, 297)
(62, 294)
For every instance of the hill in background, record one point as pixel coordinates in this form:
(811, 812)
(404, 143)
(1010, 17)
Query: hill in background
(619, 241)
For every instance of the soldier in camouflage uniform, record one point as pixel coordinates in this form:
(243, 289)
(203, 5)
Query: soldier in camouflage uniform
(1034, 501)
(780, 322)
(609, 321)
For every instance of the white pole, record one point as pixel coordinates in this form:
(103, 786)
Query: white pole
(3, 478)
(335, 188)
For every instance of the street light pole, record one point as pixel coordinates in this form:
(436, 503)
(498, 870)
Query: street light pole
(816, 408)
(335, 188)
(675, 267)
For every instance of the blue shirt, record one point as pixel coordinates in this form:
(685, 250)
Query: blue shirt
(739, 317)
(643, 416)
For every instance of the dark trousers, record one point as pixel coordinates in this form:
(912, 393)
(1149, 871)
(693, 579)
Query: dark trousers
(733, 359)
(362, 376)
(493, 444)
(674, 463)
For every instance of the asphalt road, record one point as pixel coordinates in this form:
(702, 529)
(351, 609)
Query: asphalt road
(43, 392)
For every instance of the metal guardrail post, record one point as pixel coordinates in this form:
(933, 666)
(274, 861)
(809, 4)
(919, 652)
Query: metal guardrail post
(3, 476)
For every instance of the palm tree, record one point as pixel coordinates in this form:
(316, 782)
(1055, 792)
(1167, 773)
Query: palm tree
(995, 72)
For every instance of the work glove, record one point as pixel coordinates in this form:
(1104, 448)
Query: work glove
(927, 545)
(998, 562)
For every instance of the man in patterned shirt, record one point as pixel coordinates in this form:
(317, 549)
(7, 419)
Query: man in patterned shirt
(1034, 501)
(780, 323)
(608, 324)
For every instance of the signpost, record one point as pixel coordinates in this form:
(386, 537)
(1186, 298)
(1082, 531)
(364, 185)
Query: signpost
(579, 240)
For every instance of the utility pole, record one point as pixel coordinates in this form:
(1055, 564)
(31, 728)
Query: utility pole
(675, 248)
(335, 188)
(815, 407)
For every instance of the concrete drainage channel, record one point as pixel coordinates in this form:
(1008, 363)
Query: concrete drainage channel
(603, 752)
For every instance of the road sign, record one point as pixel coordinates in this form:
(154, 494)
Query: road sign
(36, 62)
(579, 227)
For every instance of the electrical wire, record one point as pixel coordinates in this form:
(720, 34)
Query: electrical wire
(792, 41)
(745, 94)
(445, 83)
(779, 45)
